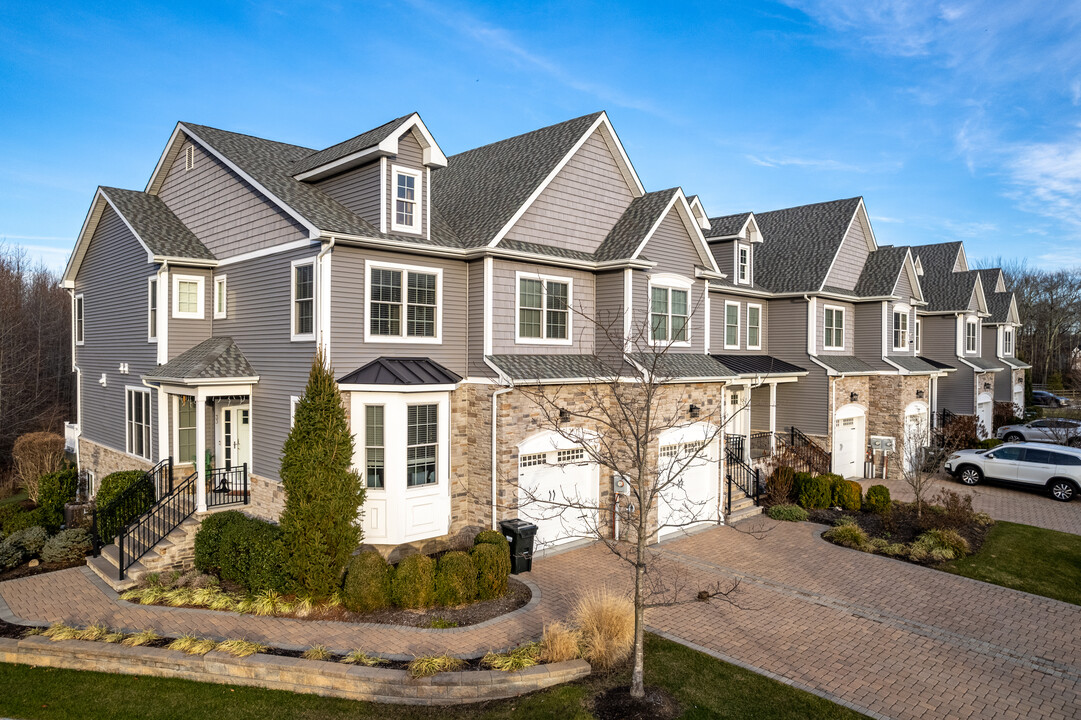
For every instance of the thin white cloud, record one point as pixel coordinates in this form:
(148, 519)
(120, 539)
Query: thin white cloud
(884, 219)
(813, 163)
(968, 229)
(1047, 178)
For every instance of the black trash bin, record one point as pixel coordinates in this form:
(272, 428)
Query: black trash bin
(519, 534)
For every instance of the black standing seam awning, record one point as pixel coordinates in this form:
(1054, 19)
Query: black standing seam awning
(756, 364)
(401, 371)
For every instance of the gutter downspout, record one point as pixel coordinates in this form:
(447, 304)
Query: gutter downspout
(495, 433)
(324, 331)
(78, 386)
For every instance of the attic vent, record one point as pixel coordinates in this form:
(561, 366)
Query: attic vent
(189, 157)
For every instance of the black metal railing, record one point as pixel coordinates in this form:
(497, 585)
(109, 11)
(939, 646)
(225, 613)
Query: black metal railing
(735, 444)
(817, 460)
(227, 486)
(742, 476)
(761, 444)
(111, 517)
(161, 475)
(135, 539)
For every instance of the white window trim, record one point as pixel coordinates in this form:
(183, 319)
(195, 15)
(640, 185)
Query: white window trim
(543, 339)
(740, 247)
(906, 311)
(919, 334)
(293, 335)
(669, 282)
(727, 304)
(418, 197)
(149, 422)
(759, 345)
(976, 336)
(151, 321)
(77, 324)
(405, 269)
(175, 424)
(221, 292)
(835, 308)
(293, 400)
(200, 281)
(1007, 347)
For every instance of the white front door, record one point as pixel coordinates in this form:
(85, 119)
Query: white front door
(234, 445)
(739, 412)
(849, 430)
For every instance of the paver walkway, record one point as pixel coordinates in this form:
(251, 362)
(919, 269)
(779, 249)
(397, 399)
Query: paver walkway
(893, 639)
(1029, 507)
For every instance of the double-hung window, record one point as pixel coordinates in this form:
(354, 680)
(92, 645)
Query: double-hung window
(79, 320)
(422, 442)
(374, 447)
(403, 303)
(754, 327)
(303, 289)
(900, 330)
(1007, 341)
(185, 424)
(152, 310)
(731, 325)
(834, 328)
(188, 297)
(971, 331)
(407, 196)
(543, 309)
(919, 327)
(669, 314)
(743, 264)
(137, 420)
(220, 297)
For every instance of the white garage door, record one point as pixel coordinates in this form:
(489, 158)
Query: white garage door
(691, 496)
(984, 413)
(1019, 399)
(849, 441)
(558, 490)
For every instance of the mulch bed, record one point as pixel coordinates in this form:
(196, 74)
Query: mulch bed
(617, 704)
(25, 570)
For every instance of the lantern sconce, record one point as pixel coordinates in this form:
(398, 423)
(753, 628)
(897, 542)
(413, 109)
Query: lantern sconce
(919, 394)
(694, 410)
(853, 397)
(564, 416)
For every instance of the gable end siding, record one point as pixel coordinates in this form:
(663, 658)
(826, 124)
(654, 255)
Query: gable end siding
(410, 155)
(850, 259)
(504, 303)
(357, 190)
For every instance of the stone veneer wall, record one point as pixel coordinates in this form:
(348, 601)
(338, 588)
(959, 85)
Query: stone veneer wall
(102, 460)
(839, 391)
(890, 395)
(267, 498)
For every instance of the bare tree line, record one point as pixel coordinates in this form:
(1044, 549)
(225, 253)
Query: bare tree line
(35, 350)
(1049, 303)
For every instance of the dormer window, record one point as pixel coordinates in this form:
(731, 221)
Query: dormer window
(971, 330)
(1007, 341)
(900, 329)
(407, 195)
(743, 264)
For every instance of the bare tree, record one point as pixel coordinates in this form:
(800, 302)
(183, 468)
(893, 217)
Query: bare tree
(617, 417)
(918, 467)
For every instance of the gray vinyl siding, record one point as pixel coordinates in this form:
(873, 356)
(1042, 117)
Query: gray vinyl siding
(259, 318)
(973, 302)
(349, 278)
(910, 349)
(411, 156)
(717, 317)
(475, 273)
(113, 281)
(504, 310)
(672, 248)
(850, 327)
(725, 255)
(609, 329)
(1003, 378)
(939, 342)
(582, 203)
(868, 339)
(226, 213)
(904, 289)
(760, 408)
(358, 190)
(989, 349)
(185, 334)
(850, 259)
(802, 404)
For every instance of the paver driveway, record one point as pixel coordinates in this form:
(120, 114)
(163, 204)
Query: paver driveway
(894, 639)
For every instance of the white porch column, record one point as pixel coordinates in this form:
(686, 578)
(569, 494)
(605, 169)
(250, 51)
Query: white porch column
(772, 418)
(747, 424)
(164, 405)
(200, 450)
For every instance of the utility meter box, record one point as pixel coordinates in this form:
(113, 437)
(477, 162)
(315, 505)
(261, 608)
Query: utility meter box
(620, 485)
(883, 443)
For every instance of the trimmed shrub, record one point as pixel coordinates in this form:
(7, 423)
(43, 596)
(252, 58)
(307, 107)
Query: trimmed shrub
(21, 519)
(367, 583)
(851, 536)
(491, 537)
(493, 568)
(413, 585)
(788, 513)
(797, 482)
(11, 554)
(54, 491)
(847, 494)
(455, 579)
(208, 539)
(31, 540)
(815, 493)
(67, 546)
(251, 554)
(112, 485)
(35, 455)
(877, 500)
(938, 546)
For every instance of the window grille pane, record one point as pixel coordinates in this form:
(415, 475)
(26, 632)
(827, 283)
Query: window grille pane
(569, 456)
(420, 313)
(679, 302)
(660, 300)
(153, 303)
(374, 470)
(557, 296)
(659, 330)
(731, 324)
(556, 327)
(530, 293)
(529, 323)
(386, 297)
(754, 319)
(406, 186)
(187, 296)
(679, 328)
(421, 439)
(531, 460)
(186, 428)
(304, 293)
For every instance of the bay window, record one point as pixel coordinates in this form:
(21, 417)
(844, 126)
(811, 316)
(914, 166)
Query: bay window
(374, 450)
(422, 439)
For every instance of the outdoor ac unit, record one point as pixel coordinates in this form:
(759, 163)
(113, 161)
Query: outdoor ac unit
(883, 443)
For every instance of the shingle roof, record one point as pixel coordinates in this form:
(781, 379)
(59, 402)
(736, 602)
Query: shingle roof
(553, 367)
(726, 225)
(156, 224)
(682, 365)
(553, 250)
(757, 365)
(353, 145)
(949, 292)
(1015, 363)
(983, 365)
(633, 225)
(212, 359)
(998, 304)
(938, 365)
(846, 364)
(990, 278)
(401, 371)
(481, 189)
(914, 365)
(800, 244)
(880, 272)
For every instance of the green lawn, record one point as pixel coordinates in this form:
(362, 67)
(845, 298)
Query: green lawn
(705, 687)
(1023, 557)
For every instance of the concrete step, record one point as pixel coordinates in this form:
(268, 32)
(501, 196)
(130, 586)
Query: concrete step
(107, 571)
(742, 514)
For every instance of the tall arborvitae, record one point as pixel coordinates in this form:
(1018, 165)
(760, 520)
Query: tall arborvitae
(323, 493)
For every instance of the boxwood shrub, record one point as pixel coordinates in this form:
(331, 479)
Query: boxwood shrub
(241, 549)
(493, 568)
(877, 500)
(413, 585)
(788, 513)
(491, 537)
(455, 579)
(847, 494)
(815, 493)
(54, 491)
(208, 539)
(367, 583)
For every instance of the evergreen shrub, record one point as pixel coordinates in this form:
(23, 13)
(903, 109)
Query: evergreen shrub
(367, 583)
(788, 513)
(491, 537)
(847, 494)
(208, 539)
(55, 490)
(455, 579)
(877, 500)
(493, 568)
(413, 585)
(815, 493)
(67, 546)
(112, 486)
(251, 554)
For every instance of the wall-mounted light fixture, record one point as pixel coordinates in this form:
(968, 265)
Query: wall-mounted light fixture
(694, 410)
(919, 394)
(854, 396)
(564, 416)
(987, 386)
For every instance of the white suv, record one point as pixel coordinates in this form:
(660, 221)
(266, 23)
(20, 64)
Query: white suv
(1053, 467)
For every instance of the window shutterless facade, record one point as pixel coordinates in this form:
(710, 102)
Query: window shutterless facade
(137, 421)
(79, 321)
(422, 441)
(731, 325)
(303, 305)
(543, 309)
(152, 310)
(374, 448)
(669, 310)
(220, 297)
(404, 303)
(407, 200)
(971, 335)
(743, 264)
(185, 432)
(754, 327)
(900, 330)
(919, 328)
(833, 324)
(188, 297)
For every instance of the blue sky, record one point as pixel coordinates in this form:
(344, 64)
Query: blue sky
(955, 120)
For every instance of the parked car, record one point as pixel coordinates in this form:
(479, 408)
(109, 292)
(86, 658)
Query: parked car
(1055, 468)
(1063, 431)
(1046, 399)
